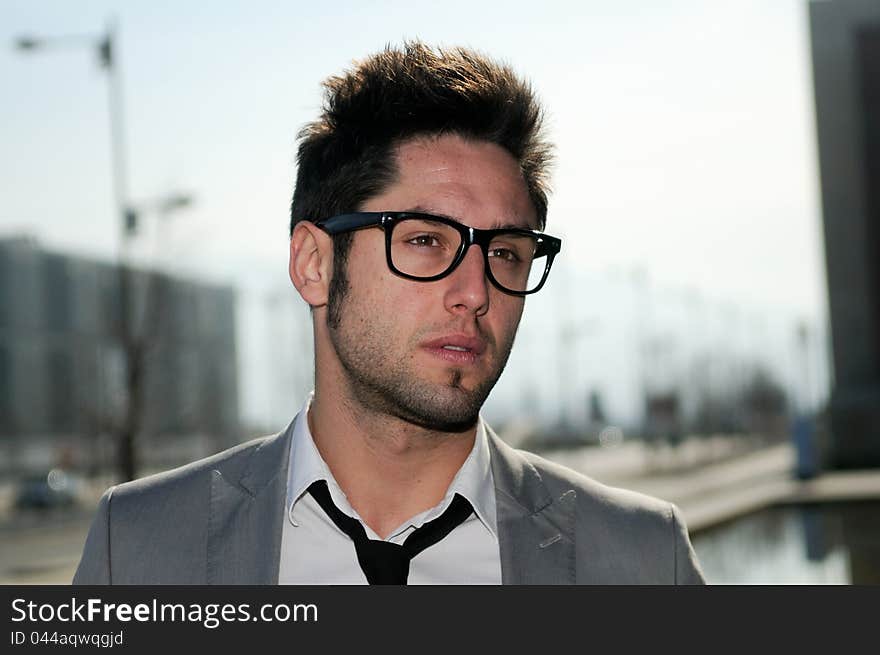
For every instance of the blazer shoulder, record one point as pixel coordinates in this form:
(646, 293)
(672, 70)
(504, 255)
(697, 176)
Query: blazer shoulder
(560, 478)
(231, 463)
(156, 528)
(180, 497)
(626, 535)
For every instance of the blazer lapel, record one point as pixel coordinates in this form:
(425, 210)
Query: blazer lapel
(247, 507)
(535, 529)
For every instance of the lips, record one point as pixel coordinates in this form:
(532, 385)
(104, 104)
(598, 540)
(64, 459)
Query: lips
(456, 348)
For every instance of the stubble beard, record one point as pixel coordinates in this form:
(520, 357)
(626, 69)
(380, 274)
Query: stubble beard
(393, 386)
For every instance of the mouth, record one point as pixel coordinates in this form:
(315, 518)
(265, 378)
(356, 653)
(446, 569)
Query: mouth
(456, 349)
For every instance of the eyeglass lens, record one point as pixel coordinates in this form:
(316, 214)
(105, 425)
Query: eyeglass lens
(425, 248)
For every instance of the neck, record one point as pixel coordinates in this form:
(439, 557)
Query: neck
(388, 468)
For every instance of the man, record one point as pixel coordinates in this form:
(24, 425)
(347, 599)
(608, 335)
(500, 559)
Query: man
(416, 233)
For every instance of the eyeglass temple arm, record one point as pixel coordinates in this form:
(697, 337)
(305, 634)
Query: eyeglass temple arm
(347, 222)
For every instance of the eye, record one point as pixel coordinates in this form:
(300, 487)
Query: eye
(504, 254)
(424, 241)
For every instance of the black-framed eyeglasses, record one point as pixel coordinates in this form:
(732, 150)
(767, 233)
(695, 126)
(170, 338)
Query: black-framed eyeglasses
(425, 247)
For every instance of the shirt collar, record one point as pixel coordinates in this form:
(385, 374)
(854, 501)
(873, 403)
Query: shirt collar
(474, 479)
(307, 466)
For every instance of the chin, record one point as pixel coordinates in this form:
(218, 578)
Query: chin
(446, 424)
(439, 407)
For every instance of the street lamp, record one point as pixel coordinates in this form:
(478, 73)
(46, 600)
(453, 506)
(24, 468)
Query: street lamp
(105, 46)
(161, 206)
(175, 201)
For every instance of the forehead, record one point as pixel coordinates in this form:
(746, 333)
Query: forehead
(476, 182)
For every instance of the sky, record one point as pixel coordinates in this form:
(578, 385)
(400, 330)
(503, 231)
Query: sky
(684, 130)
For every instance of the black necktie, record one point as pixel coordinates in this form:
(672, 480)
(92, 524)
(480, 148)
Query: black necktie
(384, 562)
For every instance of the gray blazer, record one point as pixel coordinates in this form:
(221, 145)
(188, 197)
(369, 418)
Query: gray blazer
(219, 520)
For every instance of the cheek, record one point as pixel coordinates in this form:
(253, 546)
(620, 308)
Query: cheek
(367, 271)
(388, 303)
(509, 312)
(406, 302)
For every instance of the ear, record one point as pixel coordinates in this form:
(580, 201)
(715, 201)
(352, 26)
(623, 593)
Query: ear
(311, 262)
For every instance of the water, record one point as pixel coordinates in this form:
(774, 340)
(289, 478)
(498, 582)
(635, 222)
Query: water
(831, 543)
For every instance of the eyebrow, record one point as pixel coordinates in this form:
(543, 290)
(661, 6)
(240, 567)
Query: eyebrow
(504, 226)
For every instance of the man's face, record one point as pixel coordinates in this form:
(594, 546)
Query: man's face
(400, 341)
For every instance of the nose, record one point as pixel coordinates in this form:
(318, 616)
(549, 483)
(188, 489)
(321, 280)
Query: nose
(468, 290)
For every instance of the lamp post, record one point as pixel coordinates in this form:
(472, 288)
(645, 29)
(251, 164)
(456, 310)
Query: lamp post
(570, 333)
(138, 337)
(106, 47)
(134, 340)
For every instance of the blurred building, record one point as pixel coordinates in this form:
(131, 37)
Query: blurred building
(846, 70)
(62, 362)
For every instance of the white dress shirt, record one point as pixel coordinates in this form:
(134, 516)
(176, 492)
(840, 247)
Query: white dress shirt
(315, 551)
